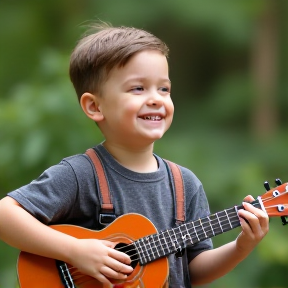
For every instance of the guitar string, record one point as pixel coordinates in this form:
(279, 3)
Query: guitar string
(159, 240)
(209, 222)
(78, 277)
(179, 233)
(272, 197)
(202, 224)
(159, 244)
(194, 227)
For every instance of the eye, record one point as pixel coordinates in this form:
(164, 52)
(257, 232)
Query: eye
(165, 89)
(137, 89)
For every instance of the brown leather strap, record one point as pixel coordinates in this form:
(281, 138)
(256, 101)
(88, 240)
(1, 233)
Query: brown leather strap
(179, 191)
(105, 193)
(103, 184)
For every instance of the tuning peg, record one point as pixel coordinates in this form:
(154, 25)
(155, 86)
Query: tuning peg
(278, 182)
(284, 220)
(267, 185)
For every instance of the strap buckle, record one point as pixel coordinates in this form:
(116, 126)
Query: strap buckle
(105, 218)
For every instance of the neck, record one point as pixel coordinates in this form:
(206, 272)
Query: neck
(139, 159)
(174, 240)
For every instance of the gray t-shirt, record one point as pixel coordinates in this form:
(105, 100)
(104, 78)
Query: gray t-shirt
(67, 194)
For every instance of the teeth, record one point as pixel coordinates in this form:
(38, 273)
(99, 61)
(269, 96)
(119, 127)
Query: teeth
(153, 118)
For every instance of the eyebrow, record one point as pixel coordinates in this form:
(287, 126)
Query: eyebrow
(143, 79)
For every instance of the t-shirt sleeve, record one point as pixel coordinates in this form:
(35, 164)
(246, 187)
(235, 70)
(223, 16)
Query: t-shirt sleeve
(50, 196)
(197, 206)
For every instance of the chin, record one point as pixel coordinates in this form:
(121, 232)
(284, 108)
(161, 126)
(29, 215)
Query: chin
(151, 136)
(156, 137)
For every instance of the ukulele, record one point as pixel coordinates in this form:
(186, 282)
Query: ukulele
(136, 236)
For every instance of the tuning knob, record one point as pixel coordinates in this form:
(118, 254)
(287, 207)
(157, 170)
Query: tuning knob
(267, 185)
(284, 220)
(278, 182)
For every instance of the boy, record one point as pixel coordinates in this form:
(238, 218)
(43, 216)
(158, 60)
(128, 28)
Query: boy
(121, 78)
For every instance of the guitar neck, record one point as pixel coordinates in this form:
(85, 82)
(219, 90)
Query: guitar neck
(168, 242)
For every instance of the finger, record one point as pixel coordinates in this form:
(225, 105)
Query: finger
(248, 217)
(109, 243)
(113, 274)
(257, 224)
(119, 266)
(120, 256)
(260, 214)
(249, 198)
(102, 278)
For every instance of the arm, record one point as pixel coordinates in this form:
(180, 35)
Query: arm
(213, 264)
(92, 257)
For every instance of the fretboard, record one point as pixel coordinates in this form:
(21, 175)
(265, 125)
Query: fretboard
(170, 241)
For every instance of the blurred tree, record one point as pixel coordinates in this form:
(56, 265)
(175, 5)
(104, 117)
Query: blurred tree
(265, 69)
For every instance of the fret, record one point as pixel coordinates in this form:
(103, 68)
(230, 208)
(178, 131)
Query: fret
(210, 223)
(185, 235)
(169, 242)
(142, 257)
(188, 233)
(176, 242)
(228, 218)
(199, 229)
(150, 246)
(208, 227)
(219, 222)
(215, 221)
(192, 231)
(193, 225)
(182, 237)
(142, 252)
(147, 249)
(224, 221)
(236, 222)
(160, 246)
(201, 225)
(155, 245)
(172, 241)
(164, 242)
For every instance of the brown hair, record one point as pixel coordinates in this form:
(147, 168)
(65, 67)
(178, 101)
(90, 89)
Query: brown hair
(107, 47)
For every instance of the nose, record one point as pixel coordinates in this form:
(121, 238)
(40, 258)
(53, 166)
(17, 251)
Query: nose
(155, 99)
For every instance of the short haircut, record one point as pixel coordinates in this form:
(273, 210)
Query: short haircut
(105, 48)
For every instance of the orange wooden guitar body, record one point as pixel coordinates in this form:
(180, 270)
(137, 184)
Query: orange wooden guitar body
(40, 272)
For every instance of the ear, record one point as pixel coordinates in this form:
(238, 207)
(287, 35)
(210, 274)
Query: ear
(91, 106)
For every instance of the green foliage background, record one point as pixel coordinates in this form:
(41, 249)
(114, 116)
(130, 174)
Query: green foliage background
(217, 131)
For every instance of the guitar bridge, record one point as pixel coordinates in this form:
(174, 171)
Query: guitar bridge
(65, 275)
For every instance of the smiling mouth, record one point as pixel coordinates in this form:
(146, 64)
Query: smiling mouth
(152, 118)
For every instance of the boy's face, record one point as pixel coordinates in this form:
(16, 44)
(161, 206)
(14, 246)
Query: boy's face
(135, 100)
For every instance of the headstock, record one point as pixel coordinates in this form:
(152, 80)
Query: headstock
(275, 201)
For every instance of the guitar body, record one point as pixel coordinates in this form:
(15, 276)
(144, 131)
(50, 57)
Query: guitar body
(129, 232)
(37, 271)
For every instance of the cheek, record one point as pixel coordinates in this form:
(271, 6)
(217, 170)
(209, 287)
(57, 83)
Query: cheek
(170, 113)
(170, 107)
(130, 107)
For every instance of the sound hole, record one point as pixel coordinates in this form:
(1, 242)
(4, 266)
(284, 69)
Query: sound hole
(130, 250)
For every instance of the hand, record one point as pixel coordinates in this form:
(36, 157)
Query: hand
(99, 259)
(253, 231)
